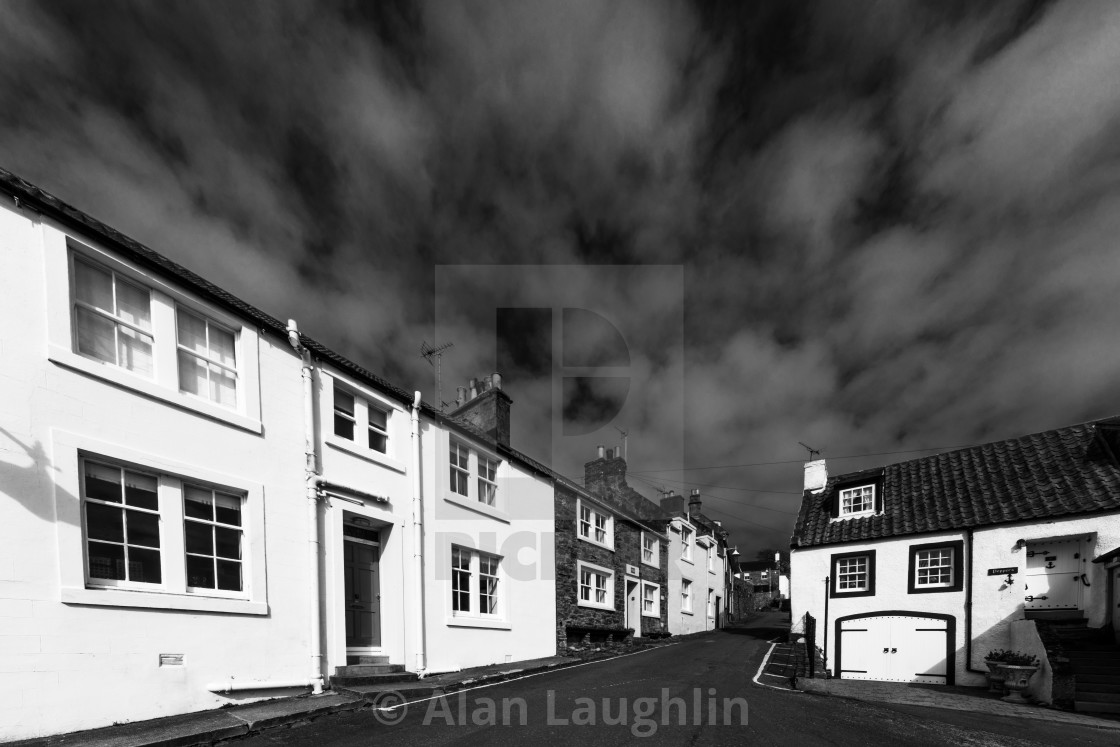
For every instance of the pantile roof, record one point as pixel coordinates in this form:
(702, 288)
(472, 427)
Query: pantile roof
(1062, 472)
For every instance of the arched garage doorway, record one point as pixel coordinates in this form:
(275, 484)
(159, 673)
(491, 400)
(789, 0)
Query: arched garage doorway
(896, 646)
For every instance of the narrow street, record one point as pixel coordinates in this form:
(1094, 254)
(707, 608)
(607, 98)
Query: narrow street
(547, 709)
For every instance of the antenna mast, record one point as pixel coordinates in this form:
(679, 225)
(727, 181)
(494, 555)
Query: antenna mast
(813, 453)
(625, 446)
(428, 352)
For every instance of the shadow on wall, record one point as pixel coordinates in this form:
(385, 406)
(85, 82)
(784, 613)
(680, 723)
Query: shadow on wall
(28, 479)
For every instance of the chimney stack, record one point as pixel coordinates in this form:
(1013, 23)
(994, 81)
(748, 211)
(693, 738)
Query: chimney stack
(694, 501)
(486, 409)
(816, 475)
(606, 473)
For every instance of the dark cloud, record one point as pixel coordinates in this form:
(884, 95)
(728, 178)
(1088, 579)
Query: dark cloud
(896, 219)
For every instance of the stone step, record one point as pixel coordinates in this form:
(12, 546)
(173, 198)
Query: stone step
(1098, 687)
(1097, 697)
(1105, 654)
(1095, 667)
(358, 670)
(372, 679)
(1088, 706)
(366, 659)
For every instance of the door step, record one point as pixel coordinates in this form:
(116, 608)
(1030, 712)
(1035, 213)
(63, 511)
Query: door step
(373, 678)
(1088, 706)
(352, 659)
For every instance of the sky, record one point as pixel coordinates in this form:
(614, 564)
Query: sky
(872, 227)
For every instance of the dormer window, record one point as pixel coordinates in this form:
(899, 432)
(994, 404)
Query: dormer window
(857, 501)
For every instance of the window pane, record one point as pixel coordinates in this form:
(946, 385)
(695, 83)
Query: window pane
(140, 491)
(378, 418)
(106, 561)
(135, 350)
(134, 304)
(228, 508)
(199, 502)
(143, 566)
(104, 523)
(222, 347)
(200, 538)
(94, 286)
(343, 427)
(229, 575)
(96, 336)
(223, 387)
(192, 374)
(192, 332)
(227, 543)
(200, 572)
(343, 402)
(377, 441)
(143, 528)
(103, 482)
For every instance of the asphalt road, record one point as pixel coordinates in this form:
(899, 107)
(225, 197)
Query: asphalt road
(642, 697)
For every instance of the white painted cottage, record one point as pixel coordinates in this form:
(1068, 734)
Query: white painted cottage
(916, 570)
(698, 574)
(199, 505)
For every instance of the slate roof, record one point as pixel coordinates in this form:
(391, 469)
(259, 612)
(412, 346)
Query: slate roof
(28, 196)
(1063, 472)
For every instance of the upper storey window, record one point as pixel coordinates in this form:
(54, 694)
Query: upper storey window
(112, 319)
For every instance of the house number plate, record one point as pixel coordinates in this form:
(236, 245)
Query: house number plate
(1002, 571)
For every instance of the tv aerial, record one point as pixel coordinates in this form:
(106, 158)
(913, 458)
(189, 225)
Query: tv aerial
(428, 352)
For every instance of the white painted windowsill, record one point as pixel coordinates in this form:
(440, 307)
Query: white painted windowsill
(128, 380)
(165, 601)
(478, 622)
(590, 541)
(477, 506)
(368, 454)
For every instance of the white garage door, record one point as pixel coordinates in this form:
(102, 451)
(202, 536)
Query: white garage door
(894, 648)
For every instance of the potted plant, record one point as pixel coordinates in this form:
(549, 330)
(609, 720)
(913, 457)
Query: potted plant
(995, 676)
(1015, 669)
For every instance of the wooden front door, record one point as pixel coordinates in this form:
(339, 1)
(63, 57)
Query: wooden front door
(1052, 579)
(363, 594)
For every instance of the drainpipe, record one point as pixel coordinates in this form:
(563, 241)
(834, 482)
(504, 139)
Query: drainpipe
(968, 611)
(312, 491)
(418, 538)
(825, 648)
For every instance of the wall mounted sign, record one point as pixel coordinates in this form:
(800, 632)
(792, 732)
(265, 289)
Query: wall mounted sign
(631, 570)
(1002, 571)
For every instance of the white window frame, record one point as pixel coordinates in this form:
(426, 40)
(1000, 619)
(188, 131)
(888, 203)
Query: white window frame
(60, 253)
(594, 513)
(487, 486)
(849, 494)
(609, 576)
(655, 559)
(181, 349)
(365, 399)
(656, 611)
(68, 449)
(711, 604)
(711, 559)
(949, 569)
(474, 591)
(866, 574)
(686, 596)
(473, 500)
(688, 538)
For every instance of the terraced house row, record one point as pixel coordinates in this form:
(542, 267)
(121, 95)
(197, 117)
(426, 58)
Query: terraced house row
(200, 503)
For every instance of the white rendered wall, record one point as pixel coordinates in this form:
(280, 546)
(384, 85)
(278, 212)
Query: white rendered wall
(681, 621)
(996, 604)
(72, 665)
(520, 530)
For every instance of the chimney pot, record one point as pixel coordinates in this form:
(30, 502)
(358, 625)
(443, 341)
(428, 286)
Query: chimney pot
(473, 386)
(816, 475)
(460, 395)
(602, 451)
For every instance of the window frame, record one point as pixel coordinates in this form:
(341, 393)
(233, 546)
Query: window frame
(656, 612)
(473, 498)
(595, 511)
(956, 582)
(62, 251)
(656, 552)
(686, 544)
(609, 576)
(116, 278)
(69, 450)
(687, 596)
(181, 349)
(365, 399)
(473, 592)
(869, 511)
(835, 592)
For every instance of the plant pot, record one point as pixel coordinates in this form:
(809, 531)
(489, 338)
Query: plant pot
(995, 677)
(1016, 678)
